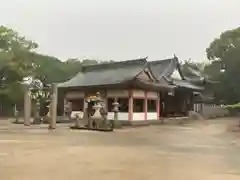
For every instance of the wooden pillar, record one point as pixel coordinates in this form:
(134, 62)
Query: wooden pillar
(158, 107)
(145, 105)
(53, 120)
(130, 105)
(27, 106)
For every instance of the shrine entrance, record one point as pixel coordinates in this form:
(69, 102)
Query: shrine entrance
(44, 102)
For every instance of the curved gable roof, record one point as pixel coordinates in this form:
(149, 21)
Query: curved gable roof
(163, 69)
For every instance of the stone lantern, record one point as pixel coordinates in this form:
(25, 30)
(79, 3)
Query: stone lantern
(115, 110)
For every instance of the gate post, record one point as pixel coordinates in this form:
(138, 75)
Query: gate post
(53, 119)
(27, 105)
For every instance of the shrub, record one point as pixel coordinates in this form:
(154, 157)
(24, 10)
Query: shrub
(233, 109)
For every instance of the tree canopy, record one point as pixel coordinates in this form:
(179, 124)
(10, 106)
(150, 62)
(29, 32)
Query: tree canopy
(15, 64)
(224, 52)
(19, 59)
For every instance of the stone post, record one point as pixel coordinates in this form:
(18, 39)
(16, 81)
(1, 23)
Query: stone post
(27, 106)
(53, 119)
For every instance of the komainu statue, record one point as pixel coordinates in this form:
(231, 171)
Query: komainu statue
(96, 112)
(95, 115)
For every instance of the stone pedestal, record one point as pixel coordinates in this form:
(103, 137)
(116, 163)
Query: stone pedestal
(77, 121)
(53, 119)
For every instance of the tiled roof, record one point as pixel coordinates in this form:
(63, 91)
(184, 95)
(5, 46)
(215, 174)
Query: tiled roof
(106, 74)
(188, 85)
(126, 71)
(163, 69)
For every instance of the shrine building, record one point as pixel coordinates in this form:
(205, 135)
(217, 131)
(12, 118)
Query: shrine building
(146, 90)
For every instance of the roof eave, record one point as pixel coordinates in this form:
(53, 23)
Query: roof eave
(191, 89)
(153, 86)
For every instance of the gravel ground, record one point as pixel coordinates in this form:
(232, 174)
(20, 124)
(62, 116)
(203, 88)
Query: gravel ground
(198, 151)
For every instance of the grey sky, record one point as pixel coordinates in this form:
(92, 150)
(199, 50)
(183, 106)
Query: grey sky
(121, 29)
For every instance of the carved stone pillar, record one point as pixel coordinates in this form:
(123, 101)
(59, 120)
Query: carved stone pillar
(27, 106)
(53, 119)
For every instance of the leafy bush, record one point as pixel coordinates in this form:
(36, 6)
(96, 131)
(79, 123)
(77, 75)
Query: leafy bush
(233, 109)
(233, 106)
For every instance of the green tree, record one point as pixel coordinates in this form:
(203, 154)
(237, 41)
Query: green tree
(15, 63)
(224, 52)
(18, 59)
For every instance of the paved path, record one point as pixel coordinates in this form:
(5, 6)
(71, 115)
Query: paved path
(198, 151)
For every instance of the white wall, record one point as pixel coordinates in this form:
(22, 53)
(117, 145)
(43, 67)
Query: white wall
(136, 116)
(139, 116)
(152, 116)
(121, 116)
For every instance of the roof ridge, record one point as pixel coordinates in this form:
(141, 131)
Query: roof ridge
(160, 61)
(141, 61)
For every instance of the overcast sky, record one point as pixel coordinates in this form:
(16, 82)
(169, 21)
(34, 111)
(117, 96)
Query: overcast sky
(121, 29)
